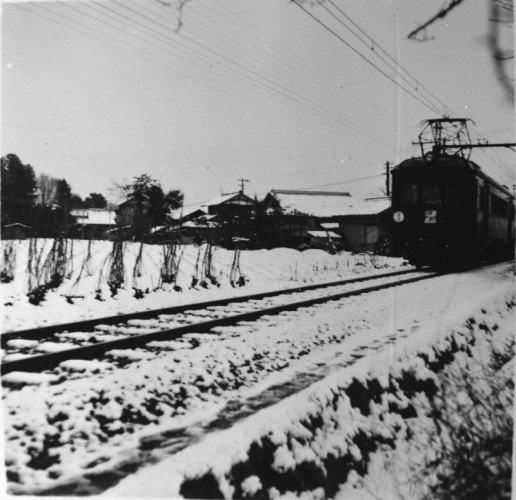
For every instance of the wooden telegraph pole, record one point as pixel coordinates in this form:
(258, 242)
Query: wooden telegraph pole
(387, 179)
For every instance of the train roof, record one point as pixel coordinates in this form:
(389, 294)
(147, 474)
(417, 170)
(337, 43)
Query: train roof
(447, 161)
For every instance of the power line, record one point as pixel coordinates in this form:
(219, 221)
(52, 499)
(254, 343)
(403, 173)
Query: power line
(326, 27)
(285, 91)
(144, 40)
(358, 179)
(112, 12)
(315, 76)
(270, 84)
(374, 43)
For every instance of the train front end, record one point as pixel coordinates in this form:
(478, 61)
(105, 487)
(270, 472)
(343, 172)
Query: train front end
(434, 210)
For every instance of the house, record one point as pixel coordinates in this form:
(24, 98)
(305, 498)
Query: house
(364, 224)
(291, 215)
(231, 204)
(217, 221)
(188, 213)
(133, 218)
(16, 231)
(359, 223)
(186, 232)
(94, 223)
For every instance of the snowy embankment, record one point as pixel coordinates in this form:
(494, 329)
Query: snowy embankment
(366, 431)
(139, 278)
(375, 358)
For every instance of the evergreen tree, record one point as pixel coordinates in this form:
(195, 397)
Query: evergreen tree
(64, 195)
(95, 200)
(174, 199)
(76, 202)
(150, 204)
(65, 202)
(18, 191)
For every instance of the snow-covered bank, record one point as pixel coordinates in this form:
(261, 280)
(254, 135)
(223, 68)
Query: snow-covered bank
(85, 293)
(316, 444)
(73, 434)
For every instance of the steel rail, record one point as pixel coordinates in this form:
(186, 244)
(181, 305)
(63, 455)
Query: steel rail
(89, 325)
(48, 361)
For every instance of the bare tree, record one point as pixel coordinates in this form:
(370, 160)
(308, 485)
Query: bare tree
(47, 190)
(501, 14)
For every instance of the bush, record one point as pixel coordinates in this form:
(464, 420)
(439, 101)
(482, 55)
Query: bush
(468, 442)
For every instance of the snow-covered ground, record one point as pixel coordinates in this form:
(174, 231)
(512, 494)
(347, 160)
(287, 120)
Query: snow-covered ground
(87, 271)
(288, 406)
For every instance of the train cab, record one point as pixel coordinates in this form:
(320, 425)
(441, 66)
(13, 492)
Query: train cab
(446, 211)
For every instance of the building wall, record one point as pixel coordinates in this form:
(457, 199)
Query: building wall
(15, 233)
(360, 236)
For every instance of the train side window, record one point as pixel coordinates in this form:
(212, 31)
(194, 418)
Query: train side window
(409, 194)
(430, 193)
(481, 197)
(498, 206)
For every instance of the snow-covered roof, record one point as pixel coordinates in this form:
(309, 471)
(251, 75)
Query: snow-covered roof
(327, 204)
(99, 216)
(227, 197)
(330, 225)
(17, 224)
(179, 213)
(203, 207)
(199, 224)
(323, 234)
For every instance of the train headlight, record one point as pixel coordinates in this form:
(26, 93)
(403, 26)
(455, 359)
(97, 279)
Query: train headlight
(398, 216)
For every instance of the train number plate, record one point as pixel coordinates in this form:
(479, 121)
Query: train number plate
(430, 216)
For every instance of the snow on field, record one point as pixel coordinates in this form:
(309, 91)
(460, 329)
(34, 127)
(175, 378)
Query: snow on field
(307, 392)
(87, 271)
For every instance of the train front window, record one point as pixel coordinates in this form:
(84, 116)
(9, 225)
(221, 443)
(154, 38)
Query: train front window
(409, 194)
(429, 193)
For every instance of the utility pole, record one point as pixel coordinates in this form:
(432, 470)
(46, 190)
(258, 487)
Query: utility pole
(242, 181)
(387, 179)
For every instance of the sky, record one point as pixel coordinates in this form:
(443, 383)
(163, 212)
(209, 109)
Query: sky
(285, 96)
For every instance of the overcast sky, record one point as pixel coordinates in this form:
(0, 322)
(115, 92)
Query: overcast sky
(98, 92)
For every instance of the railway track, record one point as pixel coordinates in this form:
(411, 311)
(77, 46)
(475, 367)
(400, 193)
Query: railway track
(45, 348)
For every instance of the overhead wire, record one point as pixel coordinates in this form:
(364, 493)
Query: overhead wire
(362, 56)
(364, 131)
(394, 61)
(76, 30)
(280, 68)
(292, 59)
(132, 35)
(294, 77)
(349, 181)
(146, 29)
(445, 107)
(105, 23)
(96, 20)
(269, 84)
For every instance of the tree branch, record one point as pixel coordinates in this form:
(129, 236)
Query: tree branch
(441, 14)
